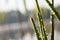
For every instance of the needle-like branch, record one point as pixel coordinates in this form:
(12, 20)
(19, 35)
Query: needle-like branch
(35, 29)
(53, 9)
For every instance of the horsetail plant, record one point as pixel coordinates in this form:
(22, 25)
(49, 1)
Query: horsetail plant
(52, 22)
(53, 9)
(41, 23)
(52, 25)
(35, 29)
(44, 37)
(40, 19)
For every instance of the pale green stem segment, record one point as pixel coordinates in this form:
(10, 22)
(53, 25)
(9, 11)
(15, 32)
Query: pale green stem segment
(35, 29)
(53, 9)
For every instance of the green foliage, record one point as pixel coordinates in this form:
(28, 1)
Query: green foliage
(41, 23)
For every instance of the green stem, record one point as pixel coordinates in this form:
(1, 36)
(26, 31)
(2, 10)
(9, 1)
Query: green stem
(25, 8)
(35, 29)
(42, 27)
(52, 20)
(52, 32)
(53, 9)
(38, 6)
(41, 22)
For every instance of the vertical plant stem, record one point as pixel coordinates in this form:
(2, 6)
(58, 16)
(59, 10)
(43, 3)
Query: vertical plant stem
(38, 6)
(52, 24)
(44, 37)
(25, 8)
(52, 21)
(52, 32)
(35, 29)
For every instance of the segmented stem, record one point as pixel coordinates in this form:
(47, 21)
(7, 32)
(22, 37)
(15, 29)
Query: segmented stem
(53, 9)
(52, 21)
(40, 19)
(35, 29)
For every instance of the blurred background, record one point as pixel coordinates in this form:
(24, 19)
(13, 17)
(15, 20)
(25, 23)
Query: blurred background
(15, 19)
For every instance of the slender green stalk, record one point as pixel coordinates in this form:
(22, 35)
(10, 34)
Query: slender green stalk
(35, 29)
(38, 6)
(53, 9)
(52, 20)
(44, 37)
(41, 23)
(52, 23)
(25, 8)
